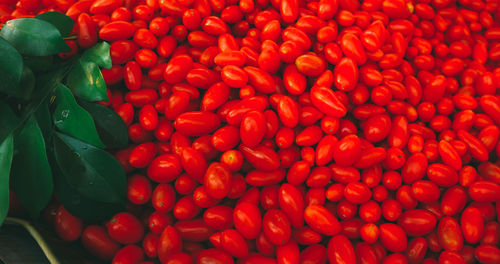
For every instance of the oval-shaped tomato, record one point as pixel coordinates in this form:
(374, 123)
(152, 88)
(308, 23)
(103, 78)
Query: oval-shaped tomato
(393, 237)
(125, 228)
(276, 227)
(340, 250)
(449, 234)
(247, 220)
(321, 220)
(417, 222)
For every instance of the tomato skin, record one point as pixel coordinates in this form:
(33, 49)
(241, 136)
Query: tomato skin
(87, 31)
(138, 189)
(196, 123)
(453, 200)
(261, 157)
(68, 227)
(340, 250)
(417, 222)
(484, 191)
(488, 254)
(327, 101)
(321, 220)
(347, 151)
(377, 127)
(117, 30)
(288, 111)
(125, 228)
(472, 224)
(164, 168)
(170, 243)
(253, 128)
(247, 220)
(414, 168)
(218, 180)
(393, 237)
(130, 254)
(292, 204)
(97, 241)
(449, 234)
(276, 227)
(346, 74)
(417, 248)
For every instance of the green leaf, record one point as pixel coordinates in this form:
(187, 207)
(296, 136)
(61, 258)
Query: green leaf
(6, 153)
(86, 81)
(62, 22)
(39, 64)
(8, 121)
(11, 67)
(27, 84)
(99, 54)
(93, 172)
(80, 206)
(34, 37)
(31, 177)
(42, 115)
(72, 119)
(112, 130)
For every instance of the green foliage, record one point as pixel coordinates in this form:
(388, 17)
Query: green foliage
(110, 125)
(34, 37)
(72, 119)
(62, 22)
(31, 177)
(6, 153)
(48, 141)
(11, 66)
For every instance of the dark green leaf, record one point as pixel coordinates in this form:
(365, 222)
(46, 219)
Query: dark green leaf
(34, 37)
(39, 64)
(44, 120)
(62, 22)
(93, 172)
(112, 130)
(27, 84)
(80, 206)
(31, 177)
(86, 81)
(11, 68)
(8, 121)
(99, 54)
(72, 119)
(6, 153)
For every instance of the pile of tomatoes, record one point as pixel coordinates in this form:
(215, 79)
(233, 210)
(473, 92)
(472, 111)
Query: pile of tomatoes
(287, 131)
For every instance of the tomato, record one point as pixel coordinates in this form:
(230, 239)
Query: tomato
(234, 243)
(472, 225)
(97, 241)
(218, 180)
(196, 123)
(347, 151)
(417, 222)
(253, 128)
(138, 189)
(164, 168)
(276, 227)
(68, 227)
(169, 243)
(321, 220)
(129, 254)
(340, 250)
(125, 228)
(449, 234)
(247, 220)
(393, 237)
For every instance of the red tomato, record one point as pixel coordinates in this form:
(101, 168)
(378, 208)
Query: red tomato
(97, 241)
(68, 227)
(125, 228)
